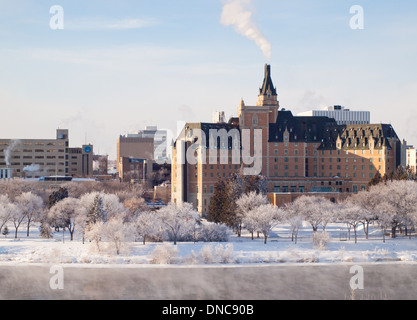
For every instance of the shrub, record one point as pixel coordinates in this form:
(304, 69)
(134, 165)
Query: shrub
(164, 254)
(219, 254)
(321, 239)
(212, 232)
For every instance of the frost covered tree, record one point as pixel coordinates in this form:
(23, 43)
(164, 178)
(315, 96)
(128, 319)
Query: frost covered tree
(246, 203)
(65, 213)
(385, 217)
(31, 206)
(399, 198)
(176, 218)
(91, 210)
(268, 217)
(94, 233)
(264, 218)
(146, 225)
(367, 200)
(250, 222)
(116, 232)
(104, 205)
(45, 228)
(353, 215)
(114, 207)
(293, 218)
(317, 211)
(5, 210)
(87, 214)
(16, 216)
(402, 197)
(96, 208)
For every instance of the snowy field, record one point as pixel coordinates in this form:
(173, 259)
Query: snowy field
(238, 250)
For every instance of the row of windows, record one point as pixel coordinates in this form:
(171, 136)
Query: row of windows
(315, 152)
(329, 175)
(24, 164)
(286, 189)
(330, 167)
(301, 189)
(223, 159)
(292, 189)
(218, 167)
(286, 159)
(36, 157)
(38, 143)
(36, 150)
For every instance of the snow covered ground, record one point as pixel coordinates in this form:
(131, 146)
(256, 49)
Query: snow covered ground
(239, 250)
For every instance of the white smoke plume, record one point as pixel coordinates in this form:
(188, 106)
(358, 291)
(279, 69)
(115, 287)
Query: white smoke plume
(32, 168)
(237, 13)
(8, 151)
(96, 165)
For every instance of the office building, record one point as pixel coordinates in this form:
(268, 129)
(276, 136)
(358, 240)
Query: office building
(34, 158)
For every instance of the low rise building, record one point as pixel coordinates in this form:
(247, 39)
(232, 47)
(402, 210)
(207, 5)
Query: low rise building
(341, 115)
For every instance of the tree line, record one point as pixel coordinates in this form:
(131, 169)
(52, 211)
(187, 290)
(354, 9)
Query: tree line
(102, 217)
(390, 204)
(115, 215)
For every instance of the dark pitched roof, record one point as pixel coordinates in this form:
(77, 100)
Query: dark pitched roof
(300, 129)
(267, 84)
(358, 136)
(325, 131)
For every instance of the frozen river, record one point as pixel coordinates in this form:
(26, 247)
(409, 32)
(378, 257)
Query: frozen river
(248, 282)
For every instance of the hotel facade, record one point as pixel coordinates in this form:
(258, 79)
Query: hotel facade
(297, 154)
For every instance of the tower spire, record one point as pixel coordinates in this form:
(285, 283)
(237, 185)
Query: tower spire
(267, 84)
(267, 94)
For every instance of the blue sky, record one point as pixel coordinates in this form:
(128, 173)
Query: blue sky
(118, 66)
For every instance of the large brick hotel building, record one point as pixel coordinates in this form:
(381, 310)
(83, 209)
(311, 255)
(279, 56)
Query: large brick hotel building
(299, 154)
